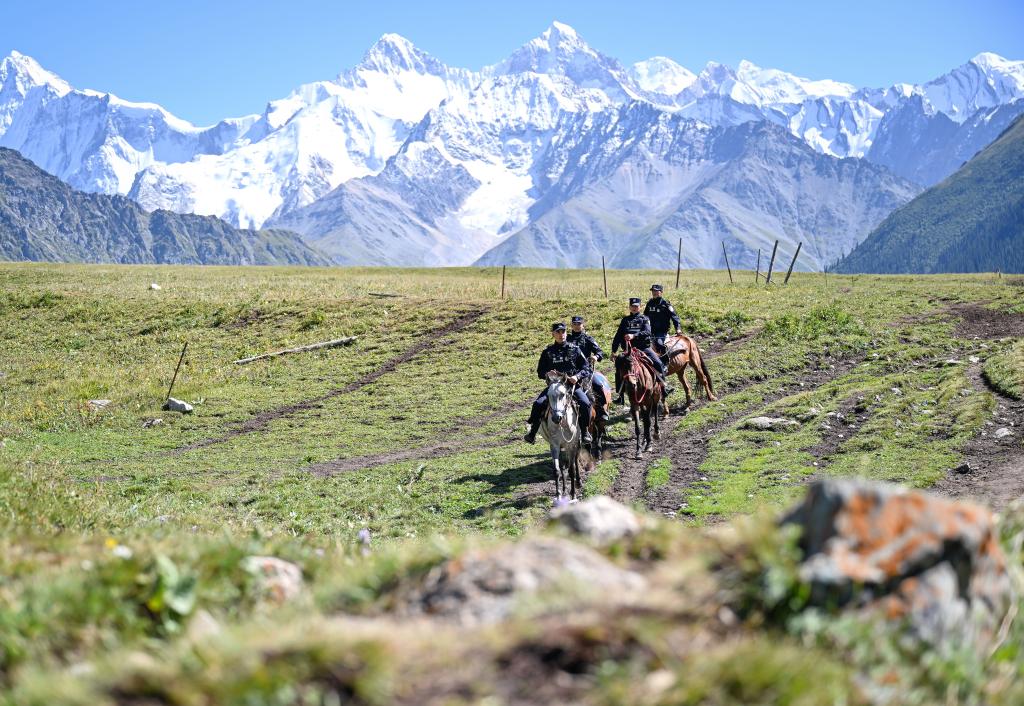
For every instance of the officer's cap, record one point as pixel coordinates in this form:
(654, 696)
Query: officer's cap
(558, 326)
(634, 301)
(577, 319)
(657, 288)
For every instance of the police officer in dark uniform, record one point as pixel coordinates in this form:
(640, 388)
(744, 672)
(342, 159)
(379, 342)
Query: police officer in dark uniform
(639, 327)
(583, 340)
(660, 312)
(563, 357)
(586, 343)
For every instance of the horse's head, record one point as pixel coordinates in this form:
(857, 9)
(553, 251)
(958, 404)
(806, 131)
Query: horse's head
(623, 362)
(558, 396)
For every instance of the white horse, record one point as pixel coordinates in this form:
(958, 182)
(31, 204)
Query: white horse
(562, 430)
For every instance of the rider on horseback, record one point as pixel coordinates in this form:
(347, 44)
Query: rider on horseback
(660, 312)
(563, 357)
(586, 343)
(638, 327)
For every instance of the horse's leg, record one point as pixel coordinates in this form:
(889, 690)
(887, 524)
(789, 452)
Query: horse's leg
(686, 385)
(634, 413)
(647, 429)
(555, 452)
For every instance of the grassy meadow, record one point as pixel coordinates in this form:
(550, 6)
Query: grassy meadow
(115, 530)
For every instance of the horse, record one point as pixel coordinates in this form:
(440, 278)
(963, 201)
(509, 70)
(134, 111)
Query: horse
(644, 392)
(682, 351)
(598, 430)
(562, 430)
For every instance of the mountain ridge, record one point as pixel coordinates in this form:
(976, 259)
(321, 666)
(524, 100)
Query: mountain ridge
(44, 219)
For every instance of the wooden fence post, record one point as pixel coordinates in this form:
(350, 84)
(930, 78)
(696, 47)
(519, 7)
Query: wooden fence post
(502, 281)
(757, 272)
(604, 276)
(795, 256)
(771, 264)
(727, 262)
(679, 261)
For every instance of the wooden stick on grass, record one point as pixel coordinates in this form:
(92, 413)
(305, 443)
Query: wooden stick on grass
(311, 347)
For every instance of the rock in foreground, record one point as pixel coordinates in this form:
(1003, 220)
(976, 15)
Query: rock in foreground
(913, 556)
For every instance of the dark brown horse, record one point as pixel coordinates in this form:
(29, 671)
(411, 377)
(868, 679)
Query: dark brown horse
(641, 386)
(682, 352)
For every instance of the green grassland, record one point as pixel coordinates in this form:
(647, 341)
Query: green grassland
(424, 452)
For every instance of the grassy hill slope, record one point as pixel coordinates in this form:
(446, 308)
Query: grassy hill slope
(971, 222)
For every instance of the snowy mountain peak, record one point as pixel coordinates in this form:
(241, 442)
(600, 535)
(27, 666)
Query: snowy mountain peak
(22, 72)
(661, 75)
(990, 60)
(393, 53)
(774, 86)
(987, 80)
(559, 50)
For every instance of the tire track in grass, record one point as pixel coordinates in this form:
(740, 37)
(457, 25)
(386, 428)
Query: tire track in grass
(260, 421)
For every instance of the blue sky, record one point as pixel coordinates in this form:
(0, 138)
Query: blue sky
(206, 60)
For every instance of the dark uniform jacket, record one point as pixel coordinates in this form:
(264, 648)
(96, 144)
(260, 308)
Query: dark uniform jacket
(636, 324)
(565, 358)
(586, 343)
(661, 312)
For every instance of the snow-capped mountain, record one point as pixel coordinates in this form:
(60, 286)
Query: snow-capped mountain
(95, 141)
(304, 145)
(403, 156)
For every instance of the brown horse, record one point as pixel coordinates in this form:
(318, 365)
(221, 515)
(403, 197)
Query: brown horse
(683, 351)
(644, 392)
(598, 431)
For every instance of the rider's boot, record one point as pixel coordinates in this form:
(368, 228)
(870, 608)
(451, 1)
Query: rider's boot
(668, 388)
(531, 436)
(587, 438)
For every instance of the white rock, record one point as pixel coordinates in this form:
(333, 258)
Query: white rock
(97, 405)
(278, 579)
(974, 359)
(176, 405)
(599, 519)
(769, 423)
(1002, 433)
(155, 286)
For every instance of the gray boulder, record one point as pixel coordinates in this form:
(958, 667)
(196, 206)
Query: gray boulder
(486, 586)
(600, 519)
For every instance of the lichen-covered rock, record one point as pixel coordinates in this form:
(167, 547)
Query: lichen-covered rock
(912, 556)
(485, 586)
(278, 580)
(599, 519)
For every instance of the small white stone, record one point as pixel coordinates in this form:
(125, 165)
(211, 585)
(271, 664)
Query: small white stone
(154, 286)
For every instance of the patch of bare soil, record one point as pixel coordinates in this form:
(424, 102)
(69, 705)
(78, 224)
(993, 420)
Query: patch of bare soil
(978, 321)
(840, 425)
(260, 421)
(993, 469)
(689, 451)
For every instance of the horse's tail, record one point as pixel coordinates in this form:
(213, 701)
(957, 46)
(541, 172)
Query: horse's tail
(704, 368)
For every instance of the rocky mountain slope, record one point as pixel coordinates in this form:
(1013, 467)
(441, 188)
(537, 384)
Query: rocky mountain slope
(971, 222)
(42, 218)
(503, 125)
(674, 178)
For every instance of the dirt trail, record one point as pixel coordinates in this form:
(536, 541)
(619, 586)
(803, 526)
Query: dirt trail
(260, 421)
(996, 475)
(688, 451)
